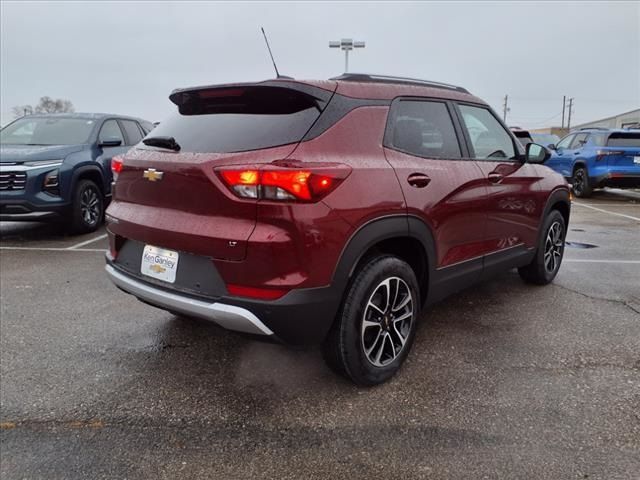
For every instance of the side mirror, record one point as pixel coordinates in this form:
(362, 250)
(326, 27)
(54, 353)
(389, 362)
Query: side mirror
(536, 153)
(110, 142)
(552, 146)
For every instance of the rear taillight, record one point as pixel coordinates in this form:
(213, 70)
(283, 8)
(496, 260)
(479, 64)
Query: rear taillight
(116, 167)
(600, 154)
(307, 184)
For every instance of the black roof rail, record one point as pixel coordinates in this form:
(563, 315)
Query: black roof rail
(372, 78)
(594, 128)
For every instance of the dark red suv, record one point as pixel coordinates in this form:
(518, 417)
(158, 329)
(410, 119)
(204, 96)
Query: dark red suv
(330, 211)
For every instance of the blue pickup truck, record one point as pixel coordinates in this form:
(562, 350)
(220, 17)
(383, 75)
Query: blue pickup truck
(595, 158)
(58, 166)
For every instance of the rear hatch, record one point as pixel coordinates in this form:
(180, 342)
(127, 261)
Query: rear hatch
(622, 152)
(168, 193)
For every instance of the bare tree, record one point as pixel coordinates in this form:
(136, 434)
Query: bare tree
(49, 105)
(22, 110)
(46, 105)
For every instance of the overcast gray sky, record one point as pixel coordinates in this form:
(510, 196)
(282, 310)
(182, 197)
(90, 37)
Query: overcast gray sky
(126, 57)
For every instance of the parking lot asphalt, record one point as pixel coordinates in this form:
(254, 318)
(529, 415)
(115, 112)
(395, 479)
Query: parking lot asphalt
(505, 380)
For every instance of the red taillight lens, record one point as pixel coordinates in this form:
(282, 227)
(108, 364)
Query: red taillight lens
(259, 293)
(285, 185)
(281, 184)
(116, 167)
(600, 154)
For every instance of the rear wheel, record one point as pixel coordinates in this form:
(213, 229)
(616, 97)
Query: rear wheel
(546, 263)
(376, 325)
(581, 186)
(87, 210)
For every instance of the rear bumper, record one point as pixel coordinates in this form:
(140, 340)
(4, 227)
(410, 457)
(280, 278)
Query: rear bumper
(617, 180)
(227, 316)
(301, 317)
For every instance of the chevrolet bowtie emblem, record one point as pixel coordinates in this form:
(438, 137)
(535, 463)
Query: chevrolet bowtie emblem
(152, 174)
(157, 268)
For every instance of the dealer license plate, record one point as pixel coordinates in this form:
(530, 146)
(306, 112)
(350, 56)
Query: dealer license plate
(159, 263)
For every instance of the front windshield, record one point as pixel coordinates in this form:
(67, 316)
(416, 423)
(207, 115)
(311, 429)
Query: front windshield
(47, 131)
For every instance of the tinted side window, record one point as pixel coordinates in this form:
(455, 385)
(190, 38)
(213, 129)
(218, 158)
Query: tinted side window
(425, 129)
(488, 138)
(565, 142)
(598, 139)
(579, 140)
(132, 131)
(109, 131)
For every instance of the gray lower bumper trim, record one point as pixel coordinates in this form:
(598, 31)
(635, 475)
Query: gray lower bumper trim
(227, 316)
(35, 216)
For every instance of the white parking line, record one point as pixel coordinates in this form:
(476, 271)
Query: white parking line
(87, 242)
(593, 260)
(53, 249)
(606, 211)
(616, 205)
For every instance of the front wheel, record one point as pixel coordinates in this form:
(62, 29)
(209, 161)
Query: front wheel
(376, 325)
(546, 263)
(87, 210)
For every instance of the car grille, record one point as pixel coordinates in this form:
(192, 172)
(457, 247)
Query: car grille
(13, 180)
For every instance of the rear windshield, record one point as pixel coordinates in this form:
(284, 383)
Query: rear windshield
(239, 119)
(47, 131)
(623, 139)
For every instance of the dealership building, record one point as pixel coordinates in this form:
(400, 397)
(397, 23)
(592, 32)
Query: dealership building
(624, 120)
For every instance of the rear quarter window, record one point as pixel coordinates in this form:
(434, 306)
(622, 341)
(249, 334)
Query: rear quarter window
(422, 128)
(240, 119)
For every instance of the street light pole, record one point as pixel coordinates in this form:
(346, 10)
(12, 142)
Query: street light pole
(346, 45)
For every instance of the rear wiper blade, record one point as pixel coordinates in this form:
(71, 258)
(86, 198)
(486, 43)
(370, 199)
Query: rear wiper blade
(162, 142)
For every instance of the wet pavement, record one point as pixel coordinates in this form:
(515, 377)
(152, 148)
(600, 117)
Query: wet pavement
(505, 380)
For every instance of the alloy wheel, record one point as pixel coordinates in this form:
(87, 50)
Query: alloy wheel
(553, 247)
(90, 206)
(578, 181)
(386, 322)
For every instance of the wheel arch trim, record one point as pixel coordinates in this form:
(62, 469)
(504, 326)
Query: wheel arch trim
(92, 169)
(557, 196)
(378, 230)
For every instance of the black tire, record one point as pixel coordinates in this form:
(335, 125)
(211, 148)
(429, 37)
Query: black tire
(546, 263)
(87, 210)
(344, 348)
(581, 186)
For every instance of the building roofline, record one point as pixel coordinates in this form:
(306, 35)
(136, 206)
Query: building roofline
(607, 118)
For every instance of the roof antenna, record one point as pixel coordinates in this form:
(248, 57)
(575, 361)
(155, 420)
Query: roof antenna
(270, 54)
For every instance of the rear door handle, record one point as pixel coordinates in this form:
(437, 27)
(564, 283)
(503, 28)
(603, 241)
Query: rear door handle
(495, 177)
(418, 180)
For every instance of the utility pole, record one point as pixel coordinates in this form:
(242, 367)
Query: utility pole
(346, 45)
(564, 104)
(570, 109)
(505, 108)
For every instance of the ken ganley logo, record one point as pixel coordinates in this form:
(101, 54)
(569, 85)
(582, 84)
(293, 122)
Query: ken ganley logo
(159, 264)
